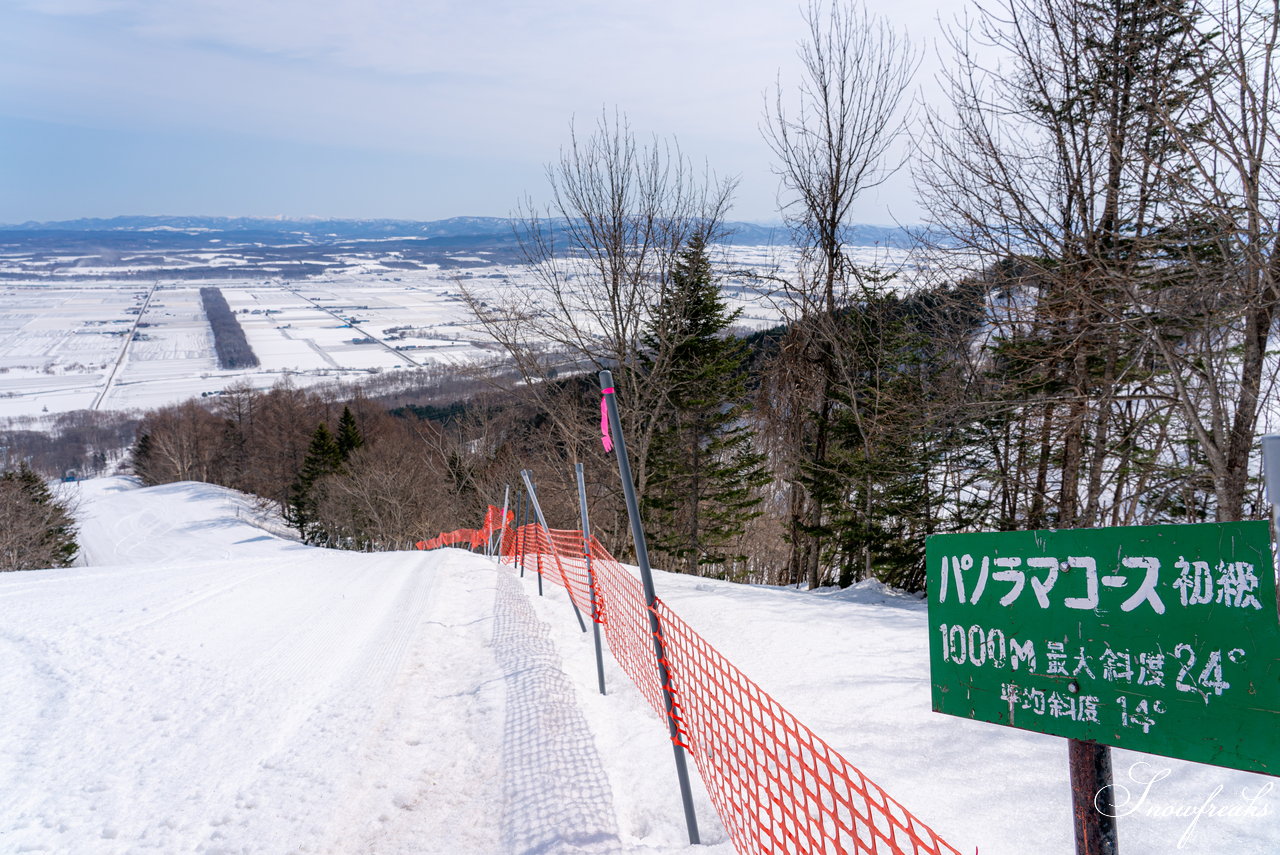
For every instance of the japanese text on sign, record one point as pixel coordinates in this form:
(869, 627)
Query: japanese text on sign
(1125, 636)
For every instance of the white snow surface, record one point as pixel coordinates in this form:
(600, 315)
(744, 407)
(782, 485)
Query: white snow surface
(202, 685)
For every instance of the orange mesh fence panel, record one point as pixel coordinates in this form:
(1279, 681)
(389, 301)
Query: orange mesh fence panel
(472, 537)
(620, 605)
(492, 523)
(777, 786)
(449, 538)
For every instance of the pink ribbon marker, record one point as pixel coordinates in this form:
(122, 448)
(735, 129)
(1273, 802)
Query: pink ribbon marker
(605, 439)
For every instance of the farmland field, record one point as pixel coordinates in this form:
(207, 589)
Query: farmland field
(104, 345)
(124, 329)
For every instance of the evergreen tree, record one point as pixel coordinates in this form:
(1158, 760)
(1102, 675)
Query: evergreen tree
(349, 437)
(874, 482)
(36, 529)
(323, 458)
(140, 459)
(704, 473)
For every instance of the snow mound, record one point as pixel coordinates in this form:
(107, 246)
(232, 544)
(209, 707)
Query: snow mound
(874, 592)
(121, 524)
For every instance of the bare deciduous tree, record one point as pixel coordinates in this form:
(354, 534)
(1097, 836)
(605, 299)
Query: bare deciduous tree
(601, 252)
(831, 146)
(1056, 177)
(1227, 294)
(389, 494)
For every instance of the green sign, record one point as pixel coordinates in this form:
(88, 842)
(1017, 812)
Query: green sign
(1162, 639)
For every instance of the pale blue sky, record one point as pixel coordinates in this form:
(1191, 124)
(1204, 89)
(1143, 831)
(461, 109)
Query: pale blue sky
(416, 109)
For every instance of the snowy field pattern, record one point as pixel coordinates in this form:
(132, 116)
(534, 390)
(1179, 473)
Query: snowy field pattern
(69, 343)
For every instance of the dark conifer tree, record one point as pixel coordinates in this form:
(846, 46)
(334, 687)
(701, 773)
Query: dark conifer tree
(349, 437)
(704, 471)
(323, 458)
(140, 459)
(874, 482)
(36, 529)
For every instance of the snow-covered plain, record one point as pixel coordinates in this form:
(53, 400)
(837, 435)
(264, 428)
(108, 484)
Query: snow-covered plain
(69, 345)
(69, 342)
(201, 684)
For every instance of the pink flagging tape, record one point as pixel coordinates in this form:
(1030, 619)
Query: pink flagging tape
(605, 439)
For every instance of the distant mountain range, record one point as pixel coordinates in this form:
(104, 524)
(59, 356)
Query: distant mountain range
(498, 229)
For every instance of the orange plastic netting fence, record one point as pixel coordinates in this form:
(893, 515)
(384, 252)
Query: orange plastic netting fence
(777, 786)
(472, 537)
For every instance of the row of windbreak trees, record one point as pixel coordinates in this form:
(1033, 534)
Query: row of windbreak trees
(1104, 209)
(229, 341)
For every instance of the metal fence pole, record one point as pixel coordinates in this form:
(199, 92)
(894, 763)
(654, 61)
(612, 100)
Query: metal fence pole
(502, 524)
(537, 561)
(1271, 475)
(528, 505)
(519, 533)
(591, 579)
(542, 521)
(651, 598)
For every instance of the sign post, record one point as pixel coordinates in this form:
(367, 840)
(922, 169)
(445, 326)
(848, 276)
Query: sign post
(1161, 639)
(1093, 810)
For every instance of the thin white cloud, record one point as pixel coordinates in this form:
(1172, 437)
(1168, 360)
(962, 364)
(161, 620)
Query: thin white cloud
(480, 69)
(493, 77)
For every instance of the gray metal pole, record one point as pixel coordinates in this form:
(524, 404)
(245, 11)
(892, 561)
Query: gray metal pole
(519, 536)
(502, 525)
(591, 579)
(542, 521)
(1271, 474)
(651, 598)
(527, 512)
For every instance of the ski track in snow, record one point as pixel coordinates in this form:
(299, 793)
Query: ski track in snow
(553, 776)
(290, 700)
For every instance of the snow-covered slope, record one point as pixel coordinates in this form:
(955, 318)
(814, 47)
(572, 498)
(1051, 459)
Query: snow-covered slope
(215, 689)
(201, 685)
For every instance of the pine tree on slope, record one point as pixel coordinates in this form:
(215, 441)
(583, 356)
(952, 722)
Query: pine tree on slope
(704, 473)
(323, 458)
(36, 529)
(349, 437)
